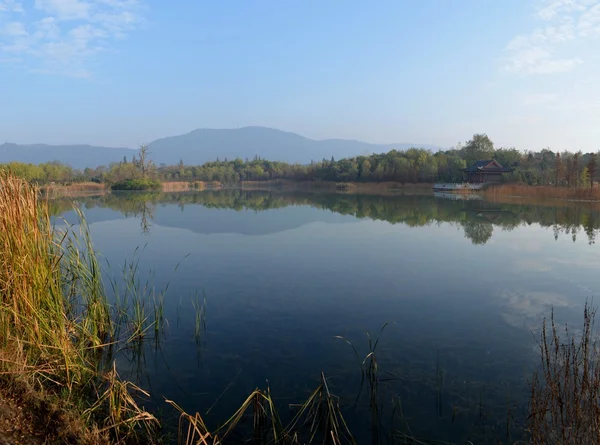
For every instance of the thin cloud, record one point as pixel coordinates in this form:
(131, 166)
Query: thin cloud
(535, 99)
(545, 50)
(11, 6)
(69, 34)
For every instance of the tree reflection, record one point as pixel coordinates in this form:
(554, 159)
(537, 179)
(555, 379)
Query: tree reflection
(478, 232)
(477, 218)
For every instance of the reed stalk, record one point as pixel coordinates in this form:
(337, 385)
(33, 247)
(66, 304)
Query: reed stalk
(55, 318)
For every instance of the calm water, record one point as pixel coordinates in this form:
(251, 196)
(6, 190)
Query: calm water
(465, 283)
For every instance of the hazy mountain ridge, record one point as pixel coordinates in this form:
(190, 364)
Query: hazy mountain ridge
(78, 156)
(203, 145)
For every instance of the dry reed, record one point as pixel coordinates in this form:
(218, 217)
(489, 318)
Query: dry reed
(77, 188)
(54, 313)
(522, 190)
(174, 186)
(317, 420)
(565, 394)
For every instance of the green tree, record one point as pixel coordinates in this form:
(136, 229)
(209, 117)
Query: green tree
(592, 167)
(575, 168)
(585, 177)
(559, 170)
(478, 148)
(365, 170)
(507, 156)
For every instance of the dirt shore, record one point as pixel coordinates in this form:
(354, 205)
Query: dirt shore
(18, 426)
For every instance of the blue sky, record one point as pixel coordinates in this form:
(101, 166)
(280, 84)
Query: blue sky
(122, 72)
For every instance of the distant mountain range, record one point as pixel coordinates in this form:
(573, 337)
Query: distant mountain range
(203, 145)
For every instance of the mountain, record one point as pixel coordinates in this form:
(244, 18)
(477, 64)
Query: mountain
(77, 156)
(199, 146)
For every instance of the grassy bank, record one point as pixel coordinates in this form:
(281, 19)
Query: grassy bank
(56, 326)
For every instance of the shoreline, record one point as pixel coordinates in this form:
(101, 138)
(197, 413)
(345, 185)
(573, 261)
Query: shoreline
(504, 192)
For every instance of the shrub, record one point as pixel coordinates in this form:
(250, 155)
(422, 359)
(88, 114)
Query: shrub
(137, 184)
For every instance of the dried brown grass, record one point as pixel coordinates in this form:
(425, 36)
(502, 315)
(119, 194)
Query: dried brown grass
(522, 190)
(174, 186)
(565, 393)
(75, 187)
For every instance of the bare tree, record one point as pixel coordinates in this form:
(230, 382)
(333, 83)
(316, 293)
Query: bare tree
(145, 164)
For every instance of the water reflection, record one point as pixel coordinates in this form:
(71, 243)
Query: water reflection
(477, 218)
(466, 280)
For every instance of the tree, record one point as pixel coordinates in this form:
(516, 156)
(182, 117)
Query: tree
(592, 167)
(507, 156)
(575, 168)
(559, 170)
(365, 170)
(478, 148)
(144, 163)
(585, 177)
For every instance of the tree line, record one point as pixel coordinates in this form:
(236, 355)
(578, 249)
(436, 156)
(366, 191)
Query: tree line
(544, 167)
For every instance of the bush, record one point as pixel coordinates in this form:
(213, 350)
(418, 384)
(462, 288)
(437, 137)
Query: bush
(137, 184)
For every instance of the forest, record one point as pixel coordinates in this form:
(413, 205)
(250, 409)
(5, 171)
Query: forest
(415, 165)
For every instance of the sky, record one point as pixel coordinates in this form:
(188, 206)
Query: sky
(125, 72)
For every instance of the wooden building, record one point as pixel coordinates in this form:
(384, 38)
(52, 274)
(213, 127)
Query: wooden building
(489, 171)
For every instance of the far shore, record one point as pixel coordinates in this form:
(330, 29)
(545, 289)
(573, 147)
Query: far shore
(507, 191)
(175, 186)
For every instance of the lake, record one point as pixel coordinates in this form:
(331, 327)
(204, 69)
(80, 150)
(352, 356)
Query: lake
(464, 284)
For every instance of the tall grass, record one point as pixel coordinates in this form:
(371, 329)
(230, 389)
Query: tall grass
(57, 190)
(371, 374)
(175, 186)
(523, 190)
(55, 319)
(565, 393)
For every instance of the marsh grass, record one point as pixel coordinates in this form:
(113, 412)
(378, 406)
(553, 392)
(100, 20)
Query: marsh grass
(55, 319)
(199, 318)
(373, 377)
(565, 393)
(318, 420)
(77, 188)
(522, 190)
(138, 306)
(175, 186)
